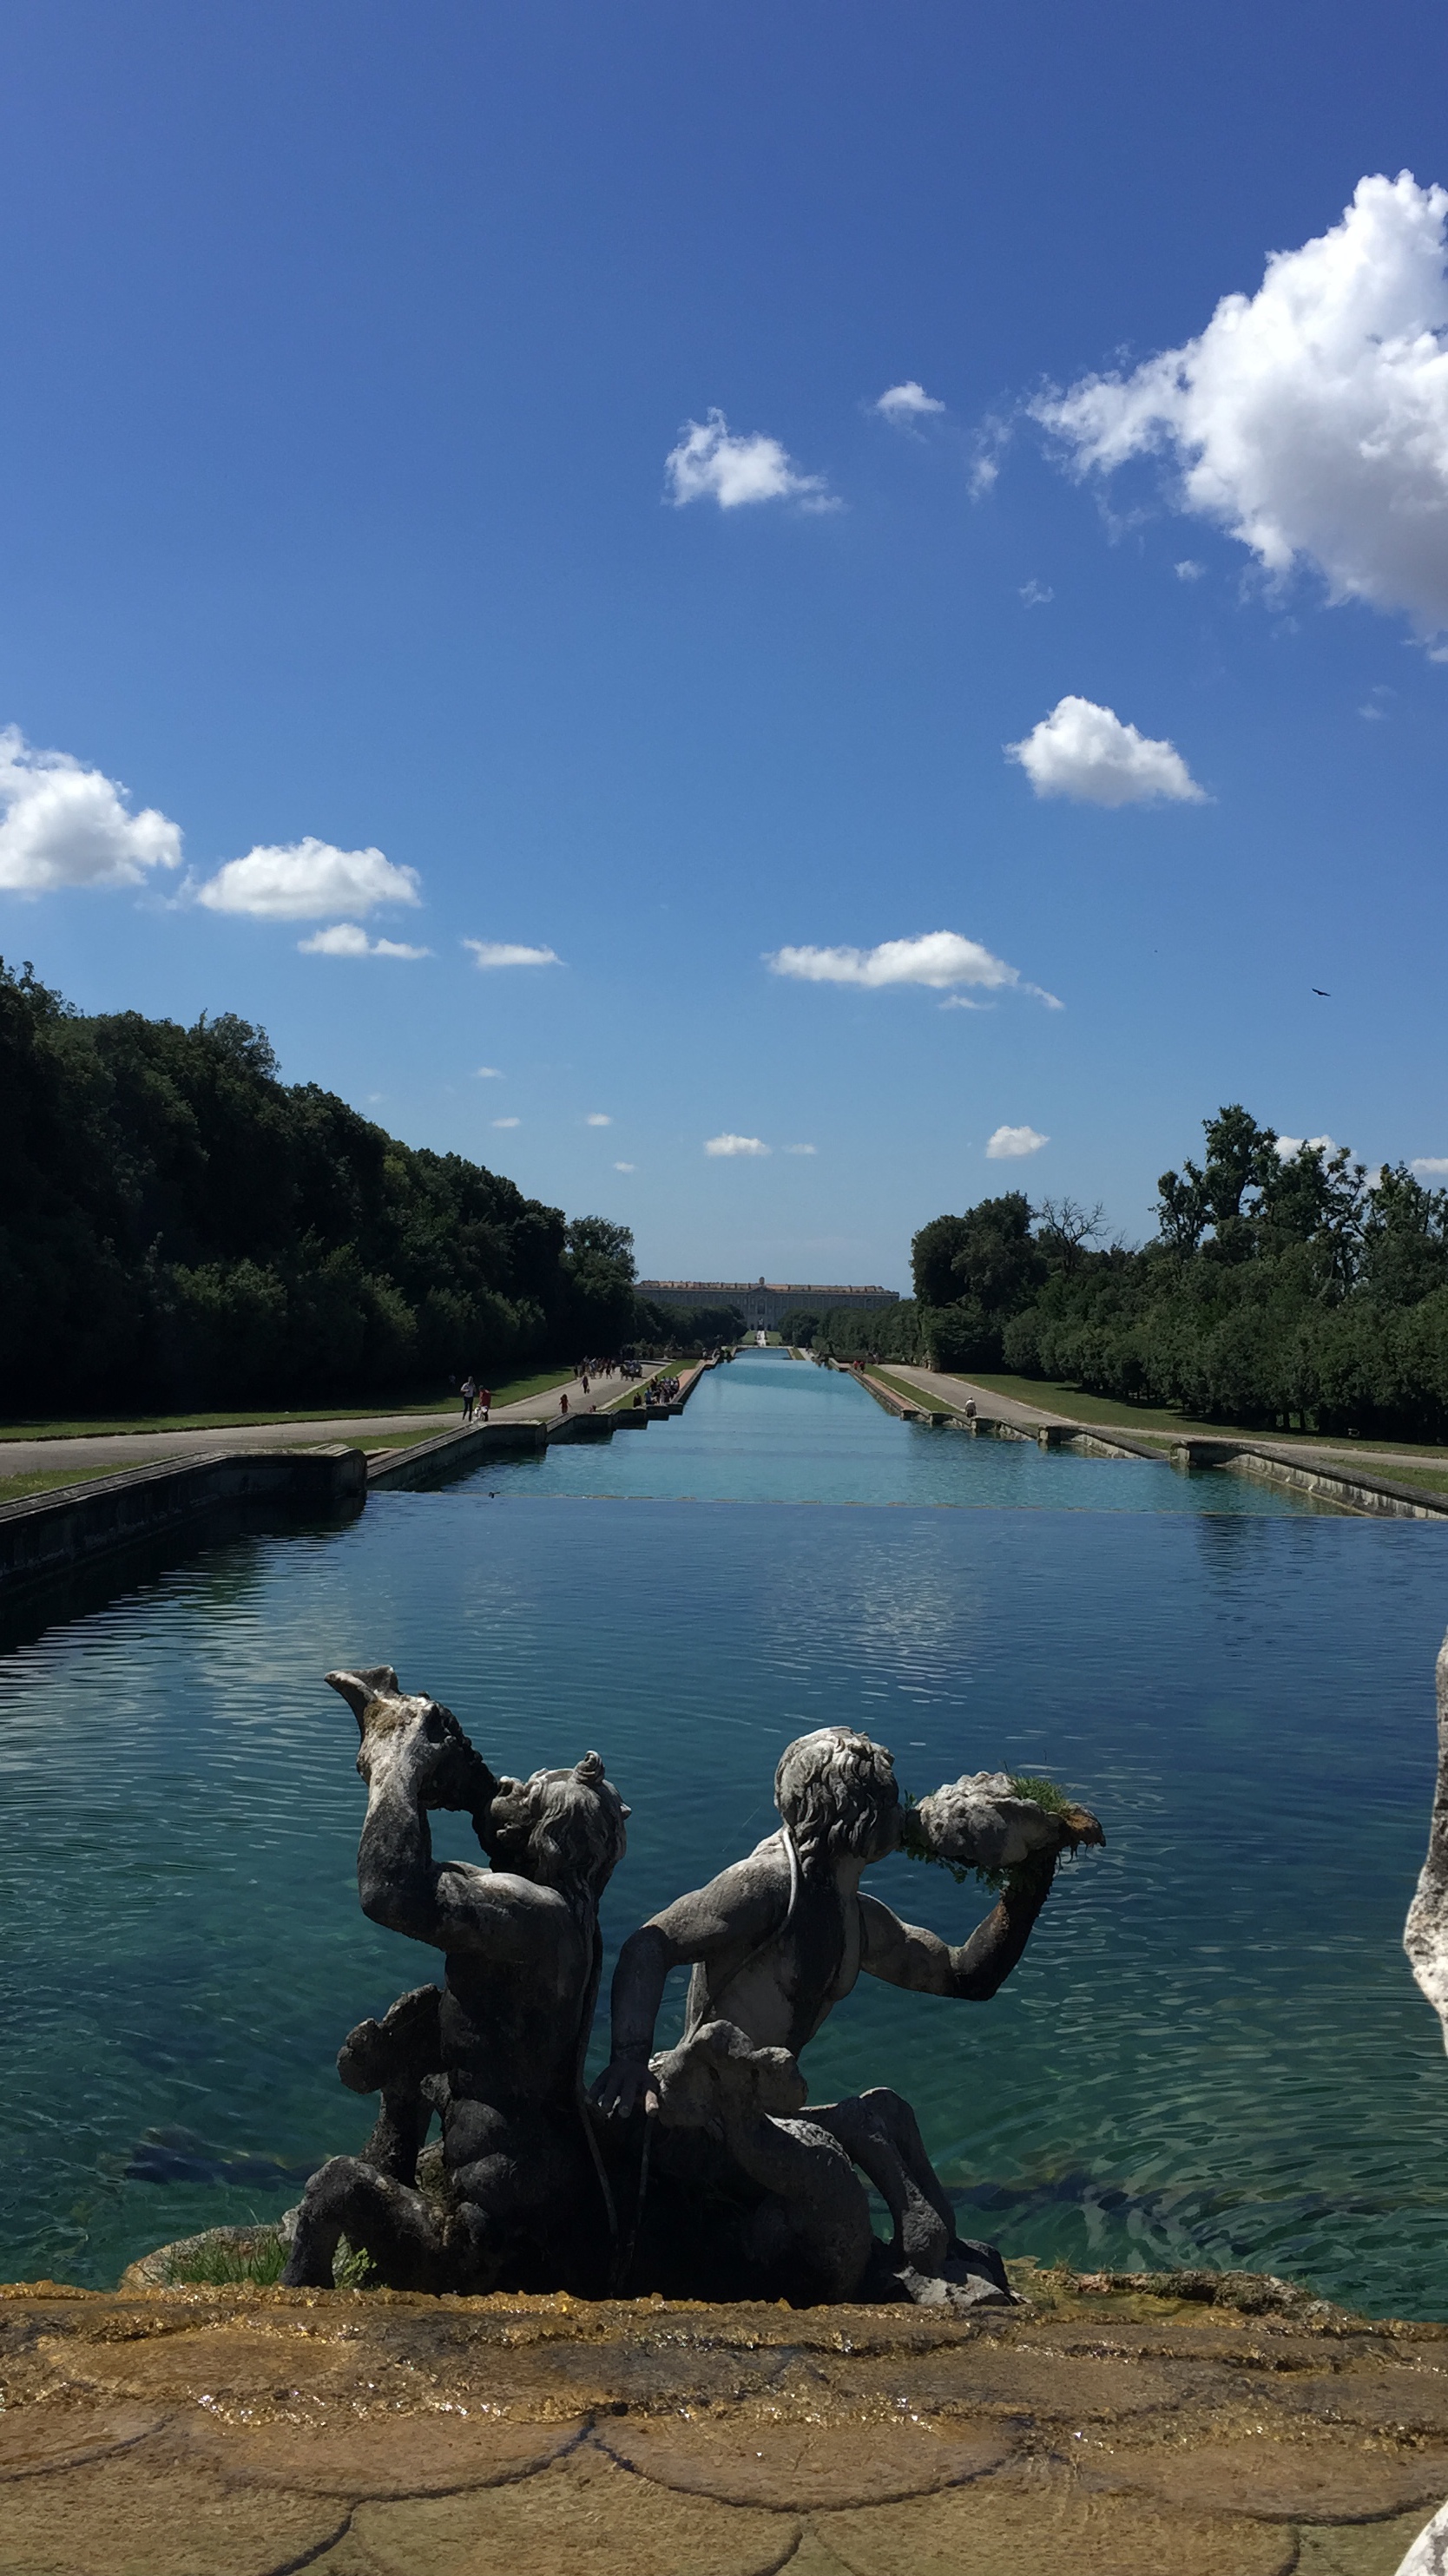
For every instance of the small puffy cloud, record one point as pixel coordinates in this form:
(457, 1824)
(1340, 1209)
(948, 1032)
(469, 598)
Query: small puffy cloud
(904, 404)
(501, 952)
(64, 825)
(625, 1167)
(1037, 594)
(939, 958)
(800, 1149)
(1085, 751)
(304, 878)
(349, 939)
(1309, 420)
(1188, 569)
(507, 1122)
(1287, 1146)
(729, 1145)
(488, 1073)
(1434, 1167)
(597, 1118)
(711, 464)
(1008, 1143)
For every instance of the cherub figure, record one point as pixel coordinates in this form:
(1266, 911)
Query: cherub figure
(774, 1943)
(498, 2051)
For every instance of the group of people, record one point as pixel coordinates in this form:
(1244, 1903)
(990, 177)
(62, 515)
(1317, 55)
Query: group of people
(477, 1400)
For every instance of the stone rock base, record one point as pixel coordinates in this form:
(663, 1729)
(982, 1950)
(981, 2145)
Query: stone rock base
(1125, 2425)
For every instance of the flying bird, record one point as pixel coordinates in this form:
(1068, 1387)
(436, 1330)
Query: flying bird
(1322, 997)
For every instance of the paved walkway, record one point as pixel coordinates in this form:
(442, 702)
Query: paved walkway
(953, 1391)
(145, 1448)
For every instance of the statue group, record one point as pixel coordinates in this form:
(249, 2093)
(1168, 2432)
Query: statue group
(700, 2171)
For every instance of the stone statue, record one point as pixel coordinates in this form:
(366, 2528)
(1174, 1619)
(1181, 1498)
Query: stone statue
(522, 2200)
(1425, 1934)
(774, 1943)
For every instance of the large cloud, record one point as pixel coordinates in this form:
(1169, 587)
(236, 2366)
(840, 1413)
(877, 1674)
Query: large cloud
(939, 959)
(711, 464)
(64, 825)
(1086, 751)
(305, 878)
(1310, 419)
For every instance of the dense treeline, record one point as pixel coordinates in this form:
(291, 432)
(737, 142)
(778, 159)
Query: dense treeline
(1283, 1288)
(178, 1226)
(658, 1329)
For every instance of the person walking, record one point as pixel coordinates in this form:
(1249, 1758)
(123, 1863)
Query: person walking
(469, 1396)
(563, 1403)
(485, 1401)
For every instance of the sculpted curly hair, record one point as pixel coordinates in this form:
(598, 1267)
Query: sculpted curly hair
(558, 1823)
(836, 1791)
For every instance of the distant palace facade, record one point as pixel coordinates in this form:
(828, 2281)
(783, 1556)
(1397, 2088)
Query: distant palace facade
(761, 1302)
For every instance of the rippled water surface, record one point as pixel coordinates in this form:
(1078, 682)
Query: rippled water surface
(1212, 2051)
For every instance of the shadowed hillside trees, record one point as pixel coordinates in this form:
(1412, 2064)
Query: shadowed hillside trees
(179, 1226)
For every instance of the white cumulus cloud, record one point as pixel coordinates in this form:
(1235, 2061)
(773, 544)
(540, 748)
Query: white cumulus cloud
(938, 958)
(503, 952)
(711, 464)
(728, 1144)
(1287, 1146)
(908, 402)
(349, 939)
(597, 1118)
(1009, 1142)
(64, 825)
(304, 878)
(507, 1122)
(800, 1149)
(1310, 419)
(625, 1167)
(1085, 751)
(1434, 1165)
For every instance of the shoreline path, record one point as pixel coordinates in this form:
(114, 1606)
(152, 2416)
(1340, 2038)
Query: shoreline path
(954, 1391)
(148, 1448)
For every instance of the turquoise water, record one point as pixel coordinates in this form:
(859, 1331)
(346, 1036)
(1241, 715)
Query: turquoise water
(768, 1429)
(1213, 2050)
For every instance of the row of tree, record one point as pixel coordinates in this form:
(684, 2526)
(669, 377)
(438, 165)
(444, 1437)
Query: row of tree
(179, 1226)
(1285, 1286)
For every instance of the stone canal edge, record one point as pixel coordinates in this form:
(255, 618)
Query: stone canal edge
(1115, 2425)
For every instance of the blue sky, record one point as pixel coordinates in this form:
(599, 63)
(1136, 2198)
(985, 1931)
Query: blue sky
(348, 349)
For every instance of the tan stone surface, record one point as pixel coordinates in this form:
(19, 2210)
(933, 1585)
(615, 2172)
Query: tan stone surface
(56, 2437)
(1331, 2478)
(1001, 2530)
(1057, 2387)
(382, 2455)
(583, 2518)
(131, 2515)
(1413, 2401)
(746, 2460)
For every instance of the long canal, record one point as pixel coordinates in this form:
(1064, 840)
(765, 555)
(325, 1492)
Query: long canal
(1213, 2051)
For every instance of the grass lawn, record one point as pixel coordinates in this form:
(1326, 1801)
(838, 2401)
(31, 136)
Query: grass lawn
(41, 1480)
(97, 1426)
(1052, 1397)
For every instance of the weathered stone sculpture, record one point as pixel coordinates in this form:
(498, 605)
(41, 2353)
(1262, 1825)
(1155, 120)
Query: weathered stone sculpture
(1425, 1934)
(498, 2051)
(751, 2193)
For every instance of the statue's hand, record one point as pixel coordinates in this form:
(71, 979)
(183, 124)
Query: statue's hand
(627, 2082)
(408, 1736)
